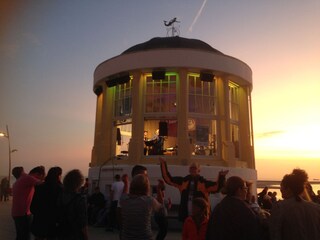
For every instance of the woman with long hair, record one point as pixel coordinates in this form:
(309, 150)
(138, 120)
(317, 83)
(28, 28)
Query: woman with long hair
(137, 210)
(72, 221)
(44, 205)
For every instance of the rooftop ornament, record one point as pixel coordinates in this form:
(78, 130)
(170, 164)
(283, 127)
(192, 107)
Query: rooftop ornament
(172, 30)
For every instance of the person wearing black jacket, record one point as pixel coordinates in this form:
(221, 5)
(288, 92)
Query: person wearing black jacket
(44, 205)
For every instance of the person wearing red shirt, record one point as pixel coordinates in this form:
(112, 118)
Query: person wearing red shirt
(195, 226)
(22, 194)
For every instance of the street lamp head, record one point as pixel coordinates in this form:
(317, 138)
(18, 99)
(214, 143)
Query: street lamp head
(2, 134)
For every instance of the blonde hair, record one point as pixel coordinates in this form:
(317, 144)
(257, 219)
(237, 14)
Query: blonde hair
(140, 185)
(195, 164)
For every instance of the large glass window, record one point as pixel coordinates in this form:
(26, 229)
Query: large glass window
(202, 130)
(122, 114)
(234, 101)
(161, 94)
(234, 108)
(160, 137)
(235, 139)
(123, 99)
(124, 133)
(201, 95)
(202, 136)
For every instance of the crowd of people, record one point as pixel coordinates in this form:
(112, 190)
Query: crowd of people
(50, 208)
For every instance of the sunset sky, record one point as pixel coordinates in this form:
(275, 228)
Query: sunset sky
(49, 50)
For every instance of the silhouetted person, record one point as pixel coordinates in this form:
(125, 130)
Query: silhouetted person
(294, 218)
(138, 169)
(96, 203)
(4, 189)
(72, 208)
(22, 194)
(44, 205)
(261, 196)
(17, 171)
(232, 218)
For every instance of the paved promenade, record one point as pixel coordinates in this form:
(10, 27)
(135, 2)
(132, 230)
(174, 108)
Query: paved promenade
(7, 231)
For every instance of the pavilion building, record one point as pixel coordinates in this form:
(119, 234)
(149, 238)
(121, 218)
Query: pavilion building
(177, 98)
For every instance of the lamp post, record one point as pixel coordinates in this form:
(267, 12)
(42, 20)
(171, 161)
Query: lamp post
(6, 135)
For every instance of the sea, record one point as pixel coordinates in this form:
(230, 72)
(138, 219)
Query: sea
(276, 188)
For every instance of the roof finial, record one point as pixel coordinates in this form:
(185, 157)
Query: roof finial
(171, 28)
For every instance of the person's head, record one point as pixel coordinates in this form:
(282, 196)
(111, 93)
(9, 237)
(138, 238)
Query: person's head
(194, 169)
(73, 181)
(117, 177)
(138, 169)
(236, 187)
(140, 185)
(124, 177)
(38, 172)
(293, 185)
(300, 174)
(286, 185)
(54, 175)
(199, 207)
(17, 171)
(96, 189)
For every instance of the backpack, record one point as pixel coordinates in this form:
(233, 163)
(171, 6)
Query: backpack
(65, 218)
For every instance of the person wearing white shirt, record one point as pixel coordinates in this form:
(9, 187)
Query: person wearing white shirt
(115, 195)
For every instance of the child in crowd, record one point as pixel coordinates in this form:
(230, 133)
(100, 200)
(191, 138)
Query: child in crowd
(195, 226)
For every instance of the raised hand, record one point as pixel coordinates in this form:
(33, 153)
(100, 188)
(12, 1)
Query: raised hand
(162, 160)
(223, 172)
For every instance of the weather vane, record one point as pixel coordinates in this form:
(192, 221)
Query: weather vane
(172, 30)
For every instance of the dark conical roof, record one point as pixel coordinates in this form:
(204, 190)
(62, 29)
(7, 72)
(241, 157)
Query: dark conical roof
(172, 42)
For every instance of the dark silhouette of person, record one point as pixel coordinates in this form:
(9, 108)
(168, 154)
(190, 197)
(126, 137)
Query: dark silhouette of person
(233, 218)
(73, 207)
(96, 203)
(17, 171)
(138, 169)
(4, 189)
(294, 218)
(44, 205)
